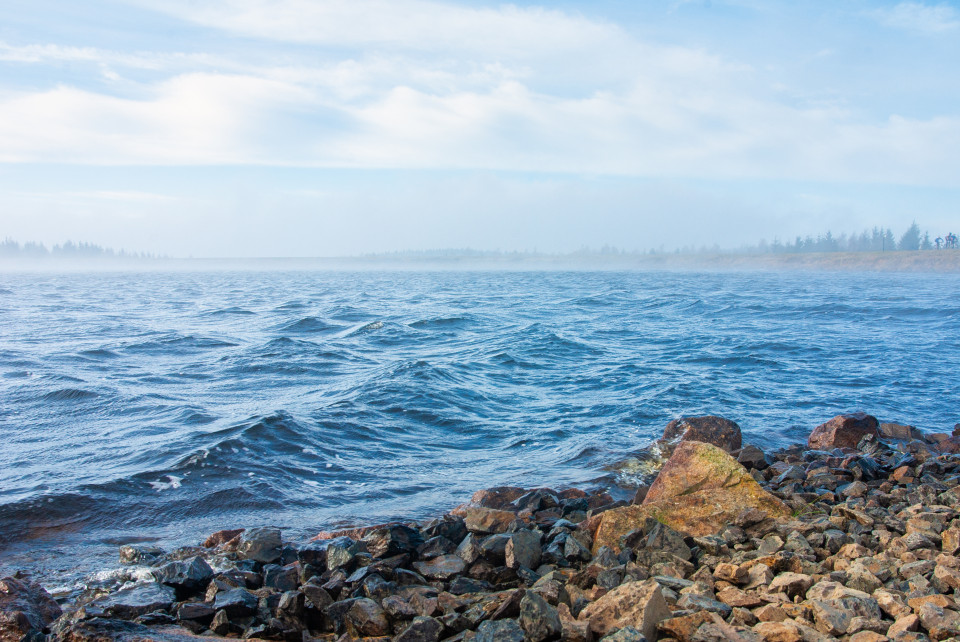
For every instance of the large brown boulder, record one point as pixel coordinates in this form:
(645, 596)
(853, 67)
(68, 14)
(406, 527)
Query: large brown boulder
(26, 609)
(843, 431)
(709, 429)
(699, 490)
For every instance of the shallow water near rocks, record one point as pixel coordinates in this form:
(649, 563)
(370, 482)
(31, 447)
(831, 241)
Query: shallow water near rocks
(159, 407)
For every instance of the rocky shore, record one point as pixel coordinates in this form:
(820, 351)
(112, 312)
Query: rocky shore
(852, 536)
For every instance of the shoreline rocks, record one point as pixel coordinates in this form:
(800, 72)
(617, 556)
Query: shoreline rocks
(854, 539)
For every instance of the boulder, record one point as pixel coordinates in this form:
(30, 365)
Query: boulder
(499, 631)
(132, 602)
(442, 567)
(222, 537)
(699, 491)
(538, 619)
(100, 630)
(185, 577)
(708, 429)
(637, 604)
(843, 431)
(393, 540)
(487, 520)
(26, 609)
(422, 629)
(523, 549)
(261, 545)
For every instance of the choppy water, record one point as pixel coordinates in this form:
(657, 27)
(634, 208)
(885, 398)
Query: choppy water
(161, 407)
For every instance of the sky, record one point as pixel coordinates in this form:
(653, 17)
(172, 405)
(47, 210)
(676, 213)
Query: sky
(228, 128)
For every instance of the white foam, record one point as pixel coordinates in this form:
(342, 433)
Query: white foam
(174, 482)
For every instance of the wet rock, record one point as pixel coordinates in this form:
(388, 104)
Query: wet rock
(422, 629)
(129, 603)
(26, 609)
(186, 577)
(441, 568)
(236, 603)
(709, 429)
(699, 491)
(499, 631)
(196, 612)
(637, 604)
(538, 619)
(103, 630)
(261, 544)
(843, 431)
(130, 554)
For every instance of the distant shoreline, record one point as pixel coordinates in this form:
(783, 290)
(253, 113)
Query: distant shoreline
(921, 261)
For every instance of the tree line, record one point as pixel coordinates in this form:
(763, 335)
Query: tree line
(879, 239)
(69, 250)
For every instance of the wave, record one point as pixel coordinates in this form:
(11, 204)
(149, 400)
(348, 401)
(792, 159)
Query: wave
(179, 344)
(70, 394)
(444, 323)
(309, 325)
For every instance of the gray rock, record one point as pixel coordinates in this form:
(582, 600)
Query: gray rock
(538, 619)
(196, 612)
(700, 603)
(236, 603)
(499, 631)
(523, 549)
(626, 634)
(130, 554)
(281, 578)
(138, 600)
(422, 629)
(393, 540)
(441, 568)
(185, 577)
(261, 544)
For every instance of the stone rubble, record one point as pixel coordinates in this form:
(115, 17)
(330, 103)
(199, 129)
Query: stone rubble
(854, 537)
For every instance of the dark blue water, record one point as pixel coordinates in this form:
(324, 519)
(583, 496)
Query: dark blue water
(163, 406)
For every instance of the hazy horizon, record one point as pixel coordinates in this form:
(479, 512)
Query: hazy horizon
(293, 128)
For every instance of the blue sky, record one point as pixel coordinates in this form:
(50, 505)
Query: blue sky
(320, 128)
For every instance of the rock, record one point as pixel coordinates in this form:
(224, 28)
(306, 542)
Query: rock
(843, 431)
(499, 631)
(441, 568)
(236, 603)
(261, 544)
(365, 618)
(497, 497)
(104, 630)
(487, 520)
(130, 554)
(784, 631)
(709, 429)
(196, 612)
(684, 627)
(752, 457)
(129, 603)
(434, 547)
(699, 491)
(523, 549)
(898, 431)
(637, 604)
(793, 584)
(221, 623)
(393, 540)
(185, 577)
(26, 609)
(694, 602)
(538, 619)
(626, 634)
(281, 578)
(470, 549)
(422, 629)
(222, 537)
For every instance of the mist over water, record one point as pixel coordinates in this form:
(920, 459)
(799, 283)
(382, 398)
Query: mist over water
(163, 406)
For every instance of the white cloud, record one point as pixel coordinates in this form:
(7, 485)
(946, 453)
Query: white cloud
(920, 17)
